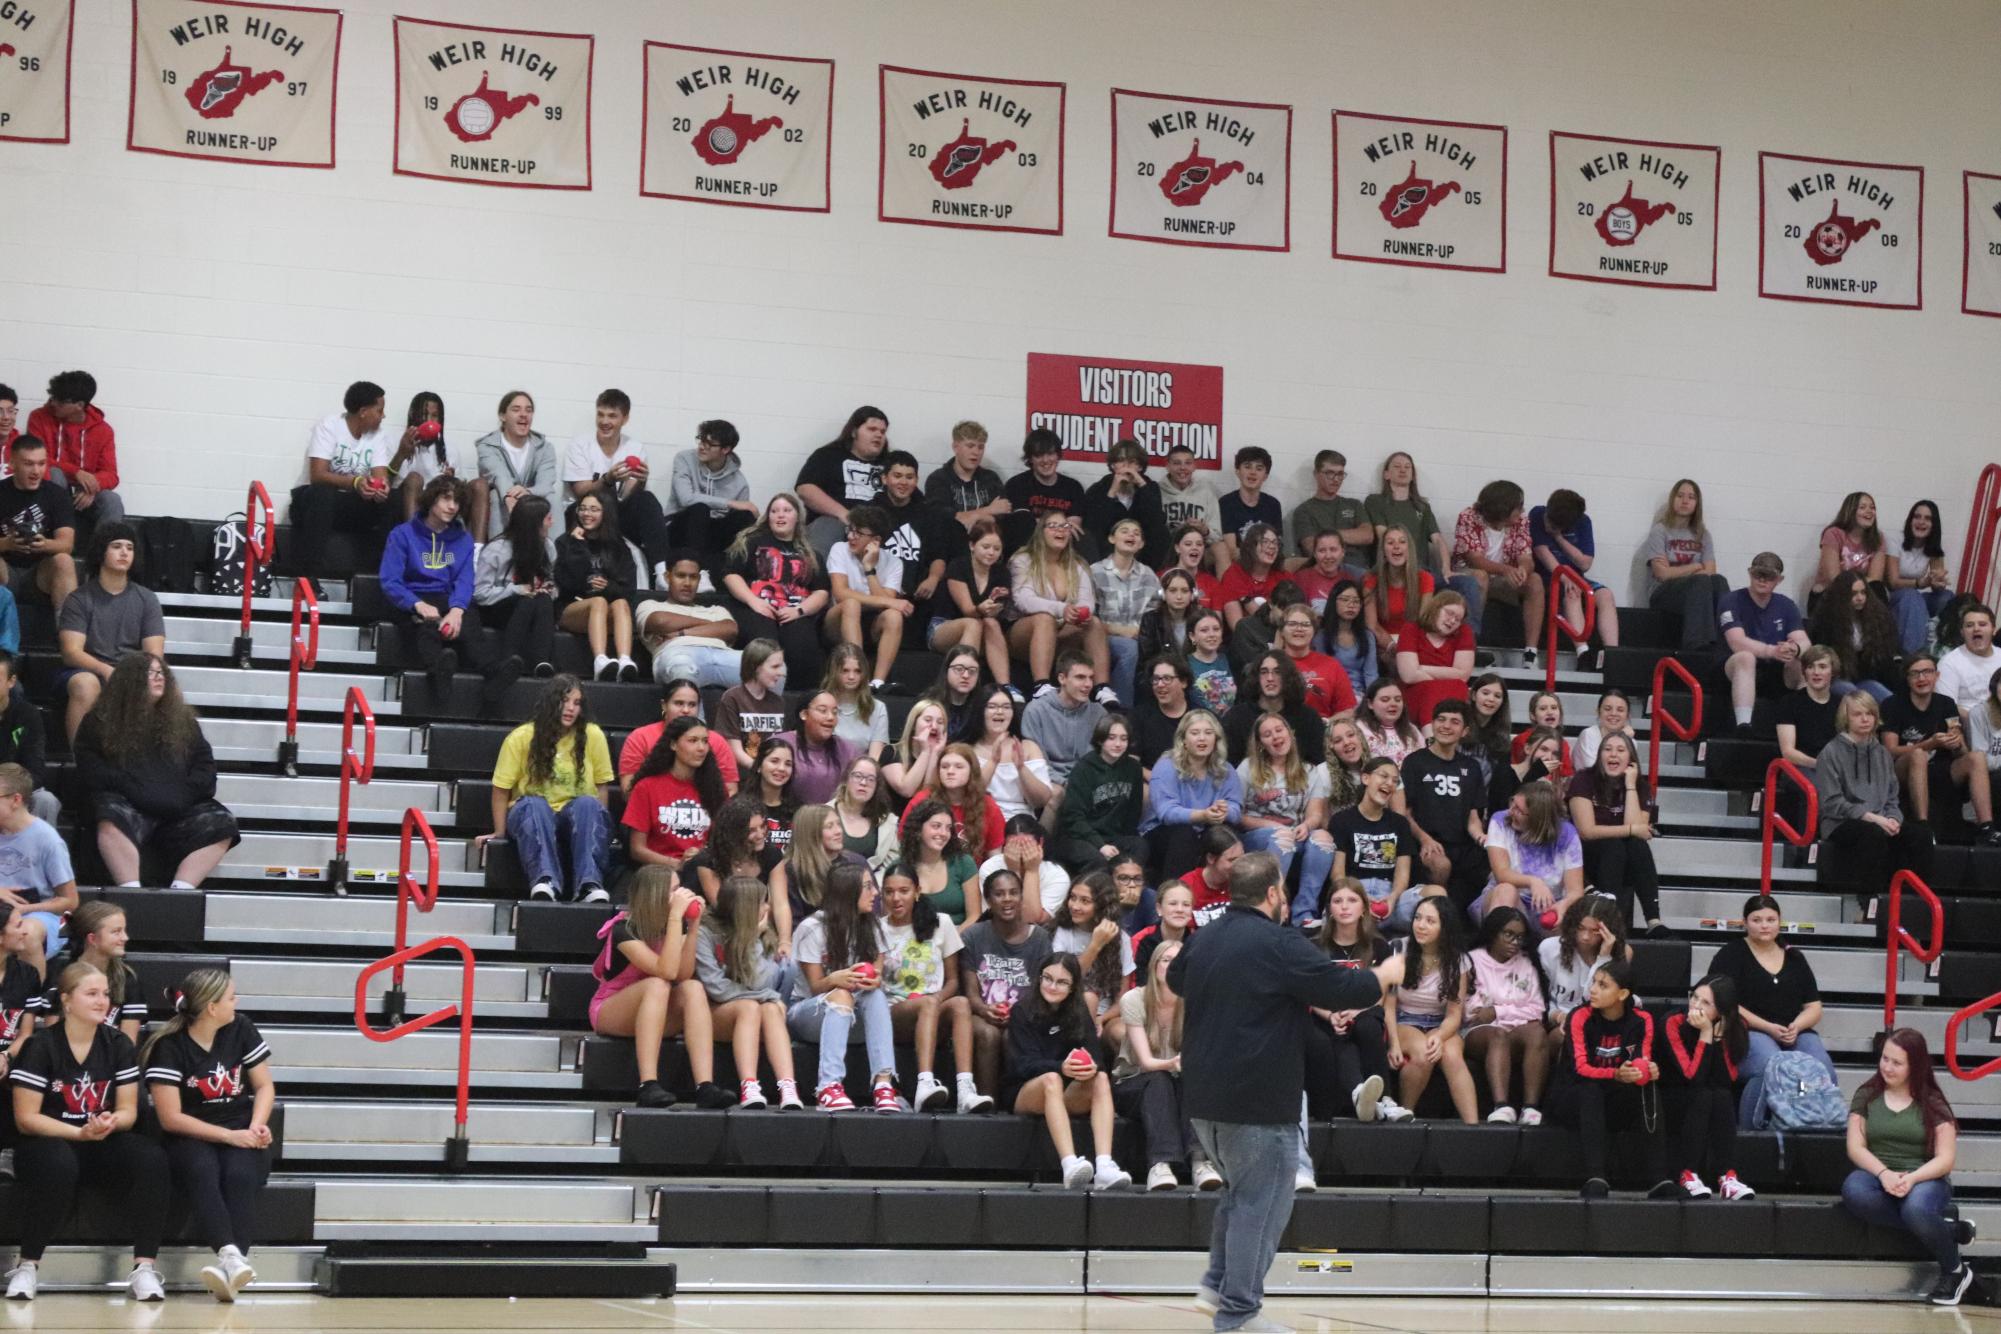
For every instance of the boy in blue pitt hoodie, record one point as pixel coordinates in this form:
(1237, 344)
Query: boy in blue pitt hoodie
(427, 574)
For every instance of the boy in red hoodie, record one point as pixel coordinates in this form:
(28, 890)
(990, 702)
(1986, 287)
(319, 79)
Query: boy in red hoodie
(82, 447)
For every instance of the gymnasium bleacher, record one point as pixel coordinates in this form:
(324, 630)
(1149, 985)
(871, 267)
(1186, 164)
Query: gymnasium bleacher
(368, 1196)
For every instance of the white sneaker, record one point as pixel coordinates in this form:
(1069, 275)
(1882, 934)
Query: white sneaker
(542, 889)
(1367, 1095)
(971, 1100)
(1693, 1187)
(1161, 1177)
(1730, 1188)
(788, 1096)
(596, 894)
(1046, 688)
(1388, 1109)
(1207, 1299)
(1076, 1172)
(1304, 1182)
(145, 1284)
(1206, 1176)
(1501, 1116)
(1110, 1176)
(21, 1282)
(751, 1094)
(1531, 1116)
(931, 1095)
(1106, 696)
(229, 1275)
(599, 663)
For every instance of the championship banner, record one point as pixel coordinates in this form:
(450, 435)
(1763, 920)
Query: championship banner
(1433, 193)
(1633, 211)
(493, 106)
(730, 127)
(1196, 171)
(1095, 402)
(964, 151)
(1847, 233)
(234, 81)
(35, 38)
(1980, 277)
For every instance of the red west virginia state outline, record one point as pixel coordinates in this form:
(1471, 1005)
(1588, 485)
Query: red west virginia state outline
(216, 93)
(1187, 181)
(722, 139)
(958, 163)
(501, 104)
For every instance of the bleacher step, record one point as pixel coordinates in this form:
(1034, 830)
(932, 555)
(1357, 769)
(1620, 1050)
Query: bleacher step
(548, 1203)
(489, 1125)
(310, 979)
(101, 1269)
(487, 1277)
(433, 1049)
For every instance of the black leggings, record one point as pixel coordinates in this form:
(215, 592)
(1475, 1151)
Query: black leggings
(1178, 849)
(1708, 1129)
(1624, 868)
(1154, 1096)
(1873, 856)
(805, 658)
(1360, 1052)
(222, 1184)
(425, 640)
(126, 1162)
(707, 531)
(527, 627)
(1596, 1107)
(645, 526)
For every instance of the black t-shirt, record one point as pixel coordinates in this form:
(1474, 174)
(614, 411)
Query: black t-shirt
(1501, 788)
(72, 1092)
(1813, 724)
(1152, 731)
(1380, 951)
(705, 860)
(133, 1006)
(1910, 725)
(917, 538)
(1442, 792)
(1372, 846)
(962, 570)
(1065, 495)
(35, 513)
(1777, 998)
(214, 1083)
(1237, 516)
(846, 479)
(20, 996)
(947, 491)
(779, 573)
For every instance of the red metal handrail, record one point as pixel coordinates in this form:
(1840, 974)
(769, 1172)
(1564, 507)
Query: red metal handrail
(260, 543)
(408, 892)
(1580, 635)
(1964, 1014)
(304, 656)
(1900, 939)
(1981, 526)
(1776, 823)
(353, 769)
(455, 1147)
(1663, 721)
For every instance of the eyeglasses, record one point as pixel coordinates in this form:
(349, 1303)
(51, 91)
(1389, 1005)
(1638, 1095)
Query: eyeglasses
(959, 667)
(1517, 936)
(1130, 879)
(1917, 672)
(1165, 678)
(1058, 983)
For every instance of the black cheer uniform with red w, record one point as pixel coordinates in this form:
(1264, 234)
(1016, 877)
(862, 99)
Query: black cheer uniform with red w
(20, 985)
(74, 1091)
(214, 1083)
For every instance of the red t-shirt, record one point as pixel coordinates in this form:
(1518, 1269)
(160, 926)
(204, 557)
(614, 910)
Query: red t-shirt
(1412, 639)
(990, 836)
(642, 741)
(671, 814)
(1318, 586)
(1327, 687)
(1209, 903)
(1207, 590)
(1394, 621)
(1238, 584)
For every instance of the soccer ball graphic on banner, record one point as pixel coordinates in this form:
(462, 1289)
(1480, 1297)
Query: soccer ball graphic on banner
(1828, 242)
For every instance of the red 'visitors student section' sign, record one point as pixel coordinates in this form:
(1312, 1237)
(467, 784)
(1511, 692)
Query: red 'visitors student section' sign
(1095, 402)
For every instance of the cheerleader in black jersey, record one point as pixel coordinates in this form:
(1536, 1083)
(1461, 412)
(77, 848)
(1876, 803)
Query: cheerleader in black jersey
(211, 1083)
(76, 1100)
(97, 936)
(21, 987)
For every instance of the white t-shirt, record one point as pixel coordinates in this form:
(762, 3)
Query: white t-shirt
(1076, 939)
(1276, 803)
(585, 461)
(336, 444)
(1584, 750)
(423, 463)
(861, 734)
(913, 967)
(1568, 987)
(888, 568)
(1055, 882)
(1963, 676)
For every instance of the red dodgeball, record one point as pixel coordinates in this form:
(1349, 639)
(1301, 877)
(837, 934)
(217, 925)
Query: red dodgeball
(1079, 1056)
(693, 914)
(216, 93)
(960, 162)
(722, 139)
(634, 463)
(1194, 176)
(428, 432)
(1621, 221)
(1408, 201)
(865, 971)
(1548, 920)
(1828, 242)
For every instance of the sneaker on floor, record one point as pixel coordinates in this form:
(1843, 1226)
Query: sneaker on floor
(653, 1093)
(1368, 1096)
(1206, 1176)
(241, 1275)
(215, 1278)
(931, 1095)
(788, 1096)
(713, 1097)
(542, 889)
(884, 1098)
(1108, 1175)
(1597, 1188)
(1952, 1287)
(596, 894)
(1730, 1188)
(973, 1102)
(834, 1098)
(1076, 1173)
(752, 1095)
(1161, 1177)
(1263, 1324)
(1046, 688)
(1501, 1116)
(21, 1282)
(1389, 1109)
(1207, 1299)
(145, 1286)
(1304, 1182)
(1531, 1116)
(1693, 1187)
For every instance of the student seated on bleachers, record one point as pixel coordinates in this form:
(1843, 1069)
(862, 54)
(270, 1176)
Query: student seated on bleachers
(1561, 536)
(1590, 935)
(739, 843)
(819, 755)
(736, 958)
(708, 500)
(1393, 592)
(1099, 814)
(77, 1118)
(1357, 1042)
(861, 808)
(1764, 635)
(1003, 951)
(1504, 1010)
(864, 719)
(517, 460)
(1056, 1070)
(1777, 996)
(1273, 687)
(37, 525)
(963, 488)
(843, 473)
(1920, 588)
(1054, 604)
(216, 1130)
(678, 699)
(347, 477)
(1146, 1080)
(550, 790)
(1399, 504)
(1863, 825)
(614, 464)
(839, 955)
(1328, 511)
(597, 580)
(34, 863)
(1707, 1045)
(514, 583)
(921, 976)
(1616, 825)
(647, 990)
(23, 737)
(1804, 718)
(1428, 1009)
(1925, 733)
(1041, 490)
(1491, 558)
(97, 936)
(675, 794)
(799, 883)
(1126, 590)
(83, 450)
(1194, 789)
(779, 586)
(1535, 857)
(1681, 567)
(1983, 730)
(1446, 795)
(1087, 925)
(427, 574)
(1606, 1079)
(416, 461)
(1851, 619)
(1125, 492)
(867, 579)
(150, 775)
(107, 617)
(1964, 672)
(688, 638)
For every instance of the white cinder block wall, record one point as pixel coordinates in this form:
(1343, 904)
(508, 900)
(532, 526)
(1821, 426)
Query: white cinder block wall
(224, 307)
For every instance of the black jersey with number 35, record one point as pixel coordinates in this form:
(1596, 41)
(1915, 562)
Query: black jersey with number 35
(214, 1083)
(73, 1091)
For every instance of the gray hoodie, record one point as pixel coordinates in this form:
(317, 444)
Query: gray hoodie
(542, 473)
(1855, 779)
(692, 483)
(1063, 733)
(493, 572)
(720, 986)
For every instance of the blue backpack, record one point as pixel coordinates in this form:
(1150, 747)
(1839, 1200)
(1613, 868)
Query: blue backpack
(1799, 1094)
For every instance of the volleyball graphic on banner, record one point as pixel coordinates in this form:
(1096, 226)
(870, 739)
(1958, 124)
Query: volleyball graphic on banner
(964, 151)
(493, 106)
(1848, 233)
(234, 81)
(35, 42)
(1980, 277)
(1197, 171)
(730, 127)
(1432, 193)
(1633, 211)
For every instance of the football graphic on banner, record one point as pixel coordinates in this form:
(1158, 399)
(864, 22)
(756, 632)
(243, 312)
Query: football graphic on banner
(964, 151)
(1196, 171)
(493, 106)
(234, 81)
(1633, 211)
(768, 119)
(35, 37)
(1980, 278)
(1095, 402)
(1433, 193)
(1850, 233)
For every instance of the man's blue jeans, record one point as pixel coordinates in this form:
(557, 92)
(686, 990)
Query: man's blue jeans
(1257, 1163)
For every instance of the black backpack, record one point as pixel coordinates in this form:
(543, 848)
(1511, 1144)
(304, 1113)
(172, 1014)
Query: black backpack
(167, 555)
(230, 555)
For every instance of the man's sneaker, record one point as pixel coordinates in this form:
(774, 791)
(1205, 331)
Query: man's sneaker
(1531, 1116)
(145, 1284)
(1730, 1188)
(931, 1096)
(542, 889)
(834, 1098)
(653, 1093)
(596, 894)
(1389, 1109)
(1110, 1176)
(788, 1096)
(1368, 1097)
(752, 1095)
(713, 1097)
(1076, 1173)
(1046, 688)
(1304, 1182)
(1206, 1176)
(1597, 1188)
(1691, 1186)
(1501, 1116)
(971, 1100)
(1107, 697)
(1951, 1287)
(885, 1098)
(21, 1282)
(1207, 1299)
(1161, 1177)
(1264, 1324)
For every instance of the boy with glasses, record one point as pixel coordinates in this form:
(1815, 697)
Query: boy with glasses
(1922, 729)
(1328, 511)
(708, 498)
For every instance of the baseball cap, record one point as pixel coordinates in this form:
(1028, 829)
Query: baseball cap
(1768, 564)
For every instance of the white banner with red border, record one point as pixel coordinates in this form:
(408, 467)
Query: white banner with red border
(493, 106)
(234, 81)
(1633, 211)
(1430, 193)
(962, 150)
(1980, 274)
(35, 41)
(1201, 171)
(1840, 232)
(732, 127)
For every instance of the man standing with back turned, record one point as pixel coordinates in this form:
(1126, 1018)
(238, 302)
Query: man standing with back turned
(1246, 981)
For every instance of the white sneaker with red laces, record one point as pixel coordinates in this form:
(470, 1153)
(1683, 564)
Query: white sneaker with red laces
(834, 1098)
(1691, 1186)
(752, 1095)
(885, 1098)
(1730, 1188)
